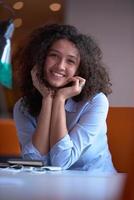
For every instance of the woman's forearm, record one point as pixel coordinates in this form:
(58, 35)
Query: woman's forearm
(58, 128)
(41, 138)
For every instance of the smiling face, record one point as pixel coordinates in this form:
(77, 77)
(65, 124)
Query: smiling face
(61, 63)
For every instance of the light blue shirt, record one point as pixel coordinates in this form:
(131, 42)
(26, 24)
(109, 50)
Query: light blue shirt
(85, 146)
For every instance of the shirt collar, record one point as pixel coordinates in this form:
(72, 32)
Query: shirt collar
(71, 105)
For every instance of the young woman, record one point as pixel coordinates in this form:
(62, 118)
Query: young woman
(61, 117)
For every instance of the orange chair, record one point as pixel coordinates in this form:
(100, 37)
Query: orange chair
(120, 133)
(128, 193)
(9, 144)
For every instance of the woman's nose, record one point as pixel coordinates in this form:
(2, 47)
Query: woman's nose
(61, 64)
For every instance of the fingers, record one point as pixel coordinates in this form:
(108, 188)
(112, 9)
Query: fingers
(78, 81)
(34, 78)
(34, 73)
(34, 69)
(44, 91)
(77, 84)
(82, 83)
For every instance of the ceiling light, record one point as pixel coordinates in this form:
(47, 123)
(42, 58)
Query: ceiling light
(17, 22)
(55, 7)
(18, 5)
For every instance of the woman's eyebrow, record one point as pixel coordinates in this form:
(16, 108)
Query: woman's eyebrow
(54, 50)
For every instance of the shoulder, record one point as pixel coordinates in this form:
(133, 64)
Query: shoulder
(100, 98)
(18, 104)
(19, 107)
(99, 103)
(20, 112)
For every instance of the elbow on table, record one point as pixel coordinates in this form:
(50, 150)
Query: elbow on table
(60, 162)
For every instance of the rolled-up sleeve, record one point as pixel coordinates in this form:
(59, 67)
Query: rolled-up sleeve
(26, 125)
(87, 132)
(60, 152)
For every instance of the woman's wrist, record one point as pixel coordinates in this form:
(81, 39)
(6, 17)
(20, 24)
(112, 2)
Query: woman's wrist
(48, 98)
(59, 97)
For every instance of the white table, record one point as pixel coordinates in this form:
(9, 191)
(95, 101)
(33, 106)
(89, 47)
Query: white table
(60, 185)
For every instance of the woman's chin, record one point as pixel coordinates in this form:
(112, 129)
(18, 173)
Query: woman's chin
(57, 85)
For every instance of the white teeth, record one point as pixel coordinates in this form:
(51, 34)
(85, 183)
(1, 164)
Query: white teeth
(57, 74)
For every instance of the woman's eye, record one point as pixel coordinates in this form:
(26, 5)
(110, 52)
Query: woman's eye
(53, 55)
(71, 61)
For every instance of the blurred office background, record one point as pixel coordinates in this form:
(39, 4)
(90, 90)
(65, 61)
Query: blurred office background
(110, 22)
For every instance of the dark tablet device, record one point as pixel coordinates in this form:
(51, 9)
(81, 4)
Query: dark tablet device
(34, 163)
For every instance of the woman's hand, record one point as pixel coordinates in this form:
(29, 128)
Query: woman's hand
(77, 84)
(44, 91)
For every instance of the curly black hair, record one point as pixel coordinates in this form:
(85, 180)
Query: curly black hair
(35, 51)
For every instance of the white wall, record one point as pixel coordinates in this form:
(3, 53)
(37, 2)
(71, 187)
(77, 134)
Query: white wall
(111, 22)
